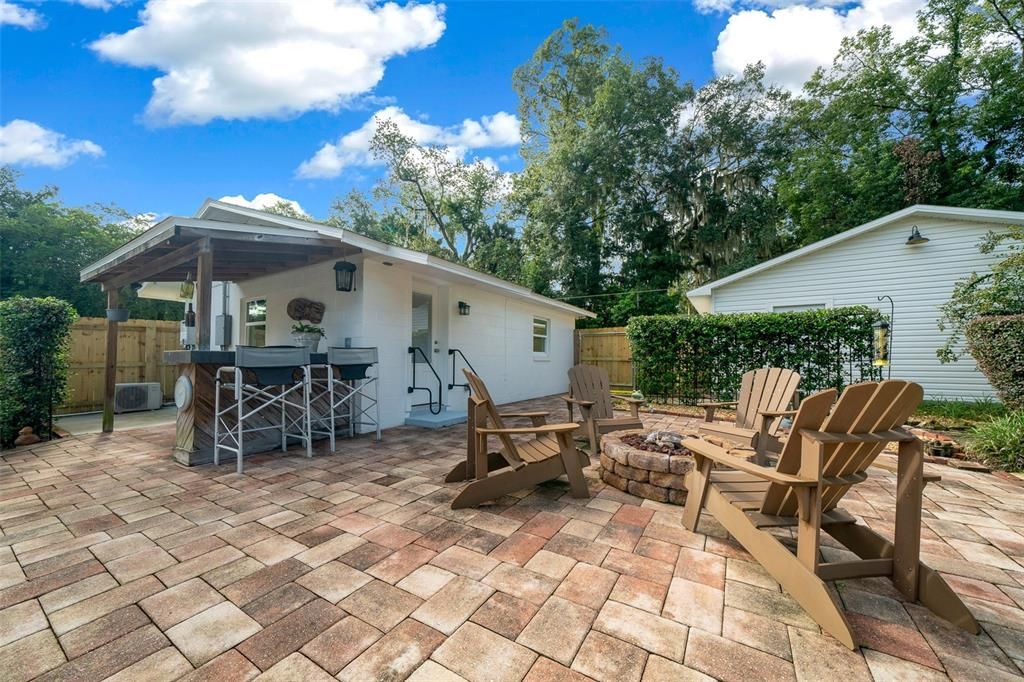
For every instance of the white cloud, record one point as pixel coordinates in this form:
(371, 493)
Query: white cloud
(793, 41)
(240, 60)
(353, 149)
(712, 6)
(16, 15)
(29, 144)
(99, 4)
(261, 201)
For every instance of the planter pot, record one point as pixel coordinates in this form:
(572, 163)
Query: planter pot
(310, 341)
(117, 314)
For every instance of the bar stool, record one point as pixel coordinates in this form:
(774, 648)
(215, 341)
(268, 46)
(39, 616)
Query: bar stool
(263, 378)
(350, 390)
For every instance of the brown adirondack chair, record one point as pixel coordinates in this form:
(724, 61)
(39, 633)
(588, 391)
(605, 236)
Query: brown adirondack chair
(765, 395)
(590, 389)
(519, 464)
(825, 456)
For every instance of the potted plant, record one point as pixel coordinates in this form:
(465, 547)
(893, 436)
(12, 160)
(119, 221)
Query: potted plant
(117, 314)
(307, 335)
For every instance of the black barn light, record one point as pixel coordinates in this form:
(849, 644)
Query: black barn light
(463, 308)
(916, 237)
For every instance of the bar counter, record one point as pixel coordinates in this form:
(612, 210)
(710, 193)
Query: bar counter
(194, 393)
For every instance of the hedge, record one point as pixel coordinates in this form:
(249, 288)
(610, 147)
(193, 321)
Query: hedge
(997, 344)
(693, 358)
(34, 346)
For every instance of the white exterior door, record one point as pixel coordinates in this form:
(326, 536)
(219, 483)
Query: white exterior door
(426, 362)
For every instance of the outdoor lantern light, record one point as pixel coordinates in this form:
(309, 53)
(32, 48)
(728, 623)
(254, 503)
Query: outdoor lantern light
(916, 237)
(344, 275)
(463, 308)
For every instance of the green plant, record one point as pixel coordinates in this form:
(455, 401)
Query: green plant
(303, 328)
(34, 338)
(961, 410)
(689, 358)
(997, 344)
(996, 293)
(1000, 441)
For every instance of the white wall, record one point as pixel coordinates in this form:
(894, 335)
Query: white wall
(856, 271)
(497, 337)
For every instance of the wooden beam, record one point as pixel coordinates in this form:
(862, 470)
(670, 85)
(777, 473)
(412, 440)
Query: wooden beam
(110, 366)
(260, 238)
(204, 295)
(159, 264)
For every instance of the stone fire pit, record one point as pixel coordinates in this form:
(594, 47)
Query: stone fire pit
(651, 473)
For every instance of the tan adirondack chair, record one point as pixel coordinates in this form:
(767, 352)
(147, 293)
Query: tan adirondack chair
(825, 456)
(765, 395)
(519, 464)
(590, 390)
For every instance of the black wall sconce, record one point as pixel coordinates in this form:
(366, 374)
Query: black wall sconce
(916, 237)
(463, 308)
(344, 275)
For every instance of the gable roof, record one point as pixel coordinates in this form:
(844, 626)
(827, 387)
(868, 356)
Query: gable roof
(220, 217)
(978, 215)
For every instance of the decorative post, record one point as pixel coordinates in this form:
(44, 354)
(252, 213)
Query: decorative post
(110, 368)
(204, 295)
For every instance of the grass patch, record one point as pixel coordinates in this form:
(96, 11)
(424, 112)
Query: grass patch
(960, 412)
(1000, 441)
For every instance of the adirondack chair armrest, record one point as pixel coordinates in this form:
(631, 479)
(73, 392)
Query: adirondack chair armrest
(546, 428)
(720, 456)
(772, 414)
(893, 436)
(576, 401)
(634, 404)
(709, 408)
(536, 418)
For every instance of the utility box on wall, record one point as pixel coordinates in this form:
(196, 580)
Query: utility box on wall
(222, 330)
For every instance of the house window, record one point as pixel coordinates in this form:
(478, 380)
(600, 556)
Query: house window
(256, 322)
(798, 308)
(541, 331)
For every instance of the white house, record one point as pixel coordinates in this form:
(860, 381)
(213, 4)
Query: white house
(519, 342)
(876, 259)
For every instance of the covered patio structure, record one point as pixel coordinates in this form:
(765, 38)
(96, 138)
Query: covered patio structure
(205, 250)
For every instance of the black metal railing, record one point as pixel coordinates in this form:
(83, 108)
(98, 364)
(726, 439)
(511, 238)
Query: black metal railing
(452, 352)
(413, 350)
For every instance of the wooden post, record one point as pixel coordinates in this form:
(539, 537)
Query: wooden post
(110, 366)
(204, 295)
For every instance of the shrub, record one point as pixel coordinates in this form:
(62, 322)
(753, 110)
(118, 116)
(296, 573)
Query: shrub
(1000, 442)
(997, 344)
(33, 362)
(690, 358)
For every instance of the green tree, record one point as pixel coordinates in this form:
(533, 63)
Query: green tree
(435, 202)
(934, 119)
(998, 292)
(44, 245)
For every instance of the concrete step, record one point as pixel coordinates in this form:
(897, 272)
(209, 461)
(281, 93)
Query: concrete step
(421, 417)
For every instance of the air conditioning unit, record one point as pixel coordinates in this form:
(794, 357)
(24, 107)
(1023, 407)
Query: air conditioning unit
(137, 397)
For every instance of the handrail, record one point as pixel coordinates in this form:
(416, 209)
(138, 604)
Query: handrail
(452, 352)
(430, 394)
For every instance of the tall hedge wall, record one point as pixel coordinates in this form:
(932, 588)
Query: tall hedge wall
(693, 358)
(997, 344)
(34, 347)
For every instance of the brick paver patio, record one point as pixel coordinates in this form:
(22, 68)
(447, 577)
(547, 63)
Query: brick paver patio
(115, 562)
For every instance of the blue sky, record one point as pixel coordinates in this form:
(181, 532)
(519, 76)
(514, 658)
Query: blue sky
(240, 109)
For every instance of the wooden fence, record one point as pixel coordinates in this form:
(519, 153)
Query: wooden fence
(607, 347)
(140, 357)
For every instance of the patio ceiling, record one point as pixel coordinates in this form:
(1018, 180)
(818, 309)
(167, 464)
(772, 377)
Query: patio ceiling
(170, 252)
